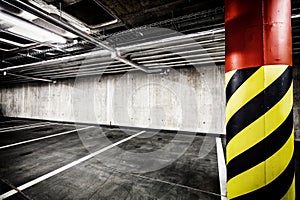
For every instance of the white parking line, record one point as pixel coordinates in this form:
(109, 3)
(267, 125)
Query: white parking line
(3, 122)
(23, 125)
(42, 138)
(222, 169)
(72, 164)
(27, 127)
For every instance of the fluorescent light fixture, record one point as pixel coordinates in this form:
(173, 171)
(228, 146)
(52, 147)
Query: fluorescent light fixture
(108, 23)
(295, 16)
(29, 30)
(27, 15)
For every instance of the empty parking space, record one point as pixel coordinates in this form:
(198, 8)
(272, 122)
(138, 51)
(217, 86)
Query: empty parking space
(113, 172)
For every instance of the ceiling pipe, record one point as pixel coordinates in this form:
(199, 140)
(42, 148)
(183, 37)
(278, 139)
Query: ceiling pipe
(39, 13)
(92, 64)
(55, 61)
(195, 64)
(88, 67)
(159, 49)
(69, 64)
(31, 78)
(79, 59)
(160, 66)
(74, 72)
(187, 58)
(221, 48)
(185, 61)
(181, 38)
(95, 65)
(75, 75)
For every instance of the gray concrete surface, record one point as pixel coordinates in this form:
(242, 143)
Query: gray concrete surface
(296, 73)
(103, 177)
(137, 97)
(187, 100)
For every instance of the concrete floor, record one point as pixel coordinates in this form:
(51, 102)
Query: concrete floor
(107, 175)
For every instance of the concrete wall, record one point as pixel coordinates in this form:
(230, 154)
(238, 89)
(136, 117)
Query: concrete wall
(187, 99)
(296, 72)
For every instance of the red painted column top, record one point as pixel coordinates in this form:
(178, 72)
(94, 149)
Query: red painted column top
(257, 32)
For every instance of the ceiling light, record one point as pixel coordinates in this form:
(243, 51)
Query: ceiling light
(29, 30)
(108, 23)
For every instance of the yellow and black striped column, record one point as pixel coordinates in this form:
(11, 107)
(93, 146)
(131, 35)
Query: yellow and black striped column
(259, 94)
(259, 122)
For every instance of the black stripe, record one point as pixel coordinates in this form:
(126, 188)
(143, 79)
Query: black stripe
(262, 150)
(238, 79)
(259, 105)
(276, 189)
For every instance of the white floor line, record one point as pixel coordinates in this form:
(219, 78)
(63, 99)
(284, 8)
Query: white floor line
(74, 125)
(42, 138)
(27, 127)
(297, 139)
(221, 168)
(21, 126)
(3, 122)
(72, 164)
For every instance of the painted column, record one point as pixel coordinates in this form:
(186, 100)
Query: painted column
(259, 92)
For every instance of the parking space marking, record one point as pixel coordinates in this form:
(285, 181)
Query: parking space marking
(23, 125)
(20, 126)
(17, 128)
(61, 169)
(222, 169)
(45, 137)
(3, 122)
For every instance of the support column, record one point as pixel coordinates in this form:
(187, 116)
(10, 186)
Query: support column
(259, 94)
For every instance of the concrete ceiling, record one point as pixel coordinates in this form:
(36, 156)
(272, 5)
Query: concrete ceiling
(131, 12)
(119, 29)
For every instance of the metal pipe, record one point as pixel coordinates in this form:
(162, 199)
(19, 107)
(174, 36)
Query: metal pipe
(207, 55)
(184, 45)
(178, 53)
(77, 69)
(74, 75)
(99, 53)
(31, 78)
(189, 64)
(69, 65)
(70, 75)
(185, 61)
(181, 39)
(114, 64)
(54, 61)
(85, 59)
(150, 66)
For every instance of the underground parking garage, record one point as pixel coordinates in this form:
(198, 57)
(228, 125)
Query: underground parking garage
(150, 99)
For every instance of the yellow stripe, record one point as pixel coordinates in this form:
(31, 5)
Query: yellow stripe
(272, 71)
(291, 194)
(246, 182)
(255, 178)
(279, 161)
(250, 88)
(262, 127)
(228, 76)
